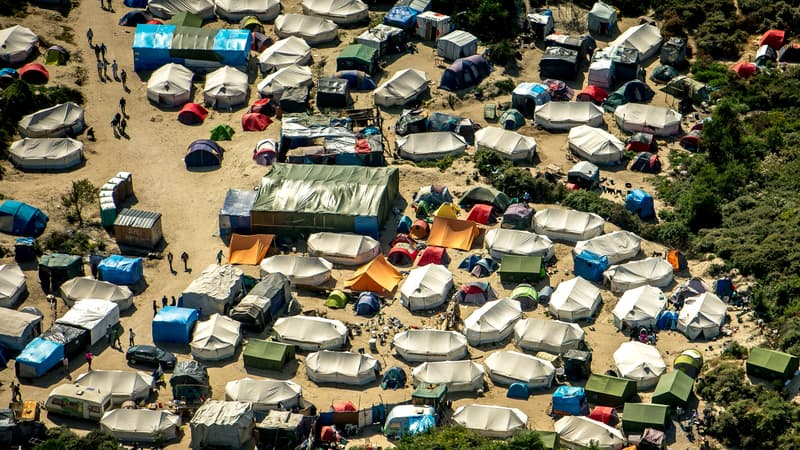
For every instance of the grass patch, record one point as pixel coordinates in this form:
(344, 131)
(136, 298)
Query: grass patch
(442, 163)
(74, 243)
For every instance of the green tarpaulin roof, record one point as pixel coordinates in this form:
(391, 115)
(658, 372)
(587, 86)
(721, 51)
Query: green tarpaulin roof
(55, 260)
(762, 361)
(426, 391)
(359, 51)
(603, 389)
(486, 194)
(267, 350)
(638, 416)
(521, 264)
(673, 389)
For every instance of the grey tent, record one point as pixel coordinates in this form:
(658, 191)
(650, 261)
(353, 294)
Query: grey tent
(141, 425)
(12, 285)
(222, 424)
(457, 44)
(602, 18)
(17, 328)
(46, 153)
(17, 44)
(57, 121)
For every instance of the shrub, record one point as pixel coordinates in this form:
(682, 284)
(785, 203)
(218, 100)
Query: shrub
(503, 53)
(613, 212)
(734, 350)
(504, 86)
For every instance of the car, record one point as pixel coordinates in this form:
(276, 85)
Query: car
(150, 355)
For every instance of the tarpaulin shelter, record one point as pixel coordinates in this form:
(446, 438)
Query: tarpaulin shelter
(236, 10)
(480, 213)
(645, 38)
(17, 44)
(264, 302)
(569, 401)
(563, 116)
(358, 57)
(602, 18)
(654, 271)
(744, 69)
(311, 333)
(601, 72)
(511, 119)
(552, 336)
(38, 357)
(656, 120)
(95, 316)
(426, 287)
(141, 425)
(122, 270)
(225, 88)
(492, 421)
(583, 175)
(485, 195)
(508, 367)
(465, 73)
(283, 53)
(640, 203)
(219, 423)
(170, 85)
(674, 389)
(56, 268)
(527, 96)
(268, 355)
(526, 295)
(596, 145)
(508, 144)
(234, 216)
(430, 145)
(458, 376)
(12, 285)
(203, 49)
(343, 248)
(342, 12)
(592, 93)
(453, 233)
(559, 63)
(57, 121)
(641, 142)
(403, 87)
(475, 293)
(517, 216)
(249, 249)
(567, 224)
(604, 414)
(332, 92)
(639, 307)
(203, 153)
(21, 219)
(673, 52)
(56, 56)
(683, 87)
(663, 74)
(589, 265)
(702, 316)
(492, 322)
(265, 394)
(484, 267)
(122, 384)
(640, 416)
(403, 17)
(301, 270)
(376, 276)
(639, 362)
(501, 242)
(348, 368)
(608, 390)
(190, 380)
(18, 328)
(313, 30)
(216, 338)
(584, 45)
(457, 44)
(192, 114)
(575, 299)
(75, 340)
(577, 432)
(367, 304)
(771, 364)
(46, 153)
(772, 38)
(408, 420)
(384, 38)
(633, 91)
(186, 19)
(430, 345)
(540, 22)
(166, 9)
(215, 290)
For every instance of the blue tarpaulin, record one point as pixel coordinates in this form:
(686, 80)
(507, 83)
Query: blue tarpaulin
(118, 269)
(640, 203)
(21, 219)
(667, 320)
(723, 287)
(151, 45)
(135, 3)
(368, 304)
(404, 226)
(469, 262)
(570, 400)
(174, 324)
(41, 355)
(518, 391)
(401, 17)
(590, 265)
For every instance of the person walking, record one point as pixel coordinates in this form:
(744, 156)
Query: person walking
(16, 396)
(109, 336)
(114, 68)
(131, 336)
(155, 308)
(89, 36)
(110, 8)
(96, 49)
(169, 259)
(185, 259)
(123, 76)
(51, 299)
(123, 124)
(219, 257)
(103, 50)
(100, 71)
(164, 301)
(122, 104)
(90, 136)
(65, 365)
(105, 69)
(117, 341)
(89, 357)
(102, 5)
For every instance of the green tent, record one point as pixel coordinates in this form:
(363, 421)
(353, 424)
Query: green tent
(682, 87)
(771, 364)
(526, 295)
(688, 364)
(222, 132)
(358, 57)
(550, 439)
(486, 195)
(609, 391)
(186, 19)
(511, 119)
(56, 56)
(638, 416)
(337, 299)
(56, 268)
(251, 23)
(673, 389)
(270, 355)
(516, 269)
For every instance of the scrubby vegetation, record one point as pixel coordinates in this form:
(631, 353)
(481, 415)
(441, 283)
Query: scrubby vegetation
(61, 438)
(481, 17)
(458, 438)
(516, 181)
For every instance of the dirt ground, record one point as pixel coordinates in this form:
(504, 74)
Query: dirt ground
(189, 202)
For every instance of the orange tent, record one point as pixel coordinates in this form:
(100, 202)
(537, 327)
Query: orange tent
(249, 249)
(376, 276)
(452, 233)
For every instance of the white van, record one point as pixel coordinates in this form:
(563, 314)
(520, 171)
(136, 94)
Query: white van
(74, 400)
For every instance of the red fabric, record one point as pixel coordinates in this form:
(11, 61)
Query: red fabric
(402, 254)
(637, 146)
(328, 434)
(420, 229)
(343, 406)
(432, 255)
(480, 213)
(255, 122)
(654, 160)
(773, 38)
(472, 288)
(603, 414)
(362, 146)
(33, 67)
(592, 93)
(154, 22)
(744, 69)
(192, 113)
(404, 239)
(263, 106)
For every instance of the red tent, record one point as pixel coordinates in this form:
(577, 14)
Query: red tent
(403, 238)
(433, 255)
(34, 73)
(745, 69)
(343, 406)
(255, 122)
(192, 114)
(593, 94)
(773, 38)
(263, 106)
(328, 434)
(480, 213)
(420, 229)
(605, 414)
(155, 22)
(402, 254)
(641, 142)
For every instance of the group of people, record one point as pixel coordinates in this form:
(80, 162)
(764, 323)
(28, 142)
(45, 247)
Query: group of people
(184, 259)
(644, 335)
(120, 121)
(165, 302)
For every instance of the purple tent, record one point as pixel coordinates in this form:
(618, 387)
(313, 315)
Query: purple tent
(517, 217)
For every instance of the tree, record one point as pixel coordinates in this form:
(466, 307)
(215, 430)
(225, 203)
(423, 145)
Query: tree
(82, 194)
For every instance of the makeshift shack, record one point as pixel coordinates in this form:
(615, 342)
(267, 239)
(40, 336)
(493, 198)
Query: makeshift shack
(673, 389)
(138, 228)
(13, 287)
(221, 423)
(609, 390)
(56, 268)
(18, 328)
(267, 355)
(215, 290)
(174, 324)
(95, 316)
(189, 382)
(358, 57)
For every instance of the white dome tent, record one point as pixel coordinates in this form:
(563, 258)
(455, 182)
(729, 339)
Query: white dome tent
(639, 307)
(170, 85)
(562, 116)
(575, 299)
(644, 272)
(656, 120)
(567, 224)
(236, 10)
(342, 12)
(641, 363)
(46, 153)
(430, 145)
(275, 83)
(596, 145)
(551, 336)
(313, 30)
(216, 338)
(12, 285)
(492, 421)
(225, 88)
(459, 376)
(301, 270)
(430, 345)
(283, 53)
(403, 87)
(122, 384)
(702, 316)
(618, 246)
(492, 322)
(311, 333)
(503, 241)
(141, 425)
(506, 143)
(57, 121)
(343, 248)
(426, 287)
(81, 288)
(165, 9)
(17, 44)
(342, 368)
(265, 394)
(578, 432)
(508, 367)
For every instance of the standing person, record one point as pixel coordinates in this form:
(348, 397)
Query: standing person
(109, 336)
(89, 357)
(164, 301)
(131, 336)
(105, 69)
(123, 124)
(96, 49)
(89, 36)
(219, 257)
(102, 5)
(169, 259)
(100, 71)
(172, 303)
(103, 50)
(110, 8)
(155, 308)
(114, 68)
(122, 104)
(185, 259)
(117, 342)
(51, 299)
(123, 76)
(16, 396)
(65, 365)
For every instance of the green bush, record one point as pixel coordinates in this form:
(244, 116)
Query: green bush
(734, 350)
(504, 86)
(615, 213)
(490, 20)
(503, 53)
(631, 8)
(459, 438)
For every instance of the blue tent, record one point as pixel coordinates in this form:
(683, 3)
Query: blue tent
(518, 391)
(367, 304)
(133, 18)
(527, 96)
(590, 265)
(406, 420)
(723, 287)
(357, 80)
(21, 219)
(570, 401)
(135, 3)
(640, 203)
(667, 320)
(174, 324)
(8, 72)
(234, 216)
(121, 270)
(202, 153)
(469, 262)
(404, 226)
(401, 17)
(465, 73)
(39, 356)
(394, 378)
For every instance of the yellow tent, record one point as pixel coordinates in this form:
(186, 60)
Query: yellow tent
(452, 233)
(376, 276)
(449, 210)
(249, 249)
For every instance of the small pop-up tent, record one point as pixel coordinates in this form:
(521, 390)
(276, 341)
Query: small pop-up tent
(56, 56)
(507, 367)
(527, 96)
(21, 219)
(192, 114)
(552, 336)
(313, 30)
(484, 195)
(376, 276)
(517, 217)
(609, 391)
(267, 355)
(673, 389)
(583, 175)
(465, 73)
(430, 345)
(640, 203)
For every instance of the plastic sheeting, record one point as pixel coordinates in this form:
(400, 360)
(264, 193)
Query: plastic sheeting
(502, 242)
(508, 367)
(118, 269)
(492, 421)
(342, 368)
(655, 272)
(430, 345)
(215, 290)
(222, 424)
(311, 333)
(174, 324)
(567, 224)
(81, 288)
(96, 316)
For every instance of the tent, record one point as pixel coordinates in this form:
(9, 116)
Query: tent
(639, 362)
(508, 367)
(166, 9)
(596, 145)
(21, 219)
(527, 96)
(601, 72)
(403, 87)
(486, 195)
(216, 338)
(552, 336)
(384, 38)
(17, 44)
(583, 175)
(346, 368)
(640, 416)
(274, 84)
(492, 322)
(311, 333)
(433, 255)
(402, 254)
(56, 56)
(38, 357)
(567, 224)
(57, 121)
(592, 93)
(517, 217)
(336, 299)
(465, 73)
(18, 328)
(433, 25)
(356, 80)
(170, 86)
(431, 145)
(81, 288)
(639, 307)
(633, 91)
(119, 269)
(249, 249)
(617, 246)
(656, 120)
(453, 233)
(284, 53)
(368, 304)
(403, 17)
(343, 248)
(674, 389)
(663, 74)
(426, 287)
(332, 92)
(406, 420)
(123, 385)
(215, 290)
(578, 432)
(563, 116)
(419, 229)
(222, 424)
(482, 214)
(559, 63)
(789, 53)
(772, 38)
(608, 390)
(56, 268)
(683, 87)
(95, 316)
(357, 57)
(225, 88)
(313, 30)
(641, 142)
(266, 150)
(256, 122)
(702, 316)
(526, 295)
(511, 119)
(190, 379)
(502, 242)
(745, 69)
(46, 153)
(492, 421)
(265, 394)
(640, 203)
(376, 276)
(575, 299)
(12, 285)
(647, 163)
(301, 270)
(236, 10)
(141, 425)
(673, 53)
(7, 76)
(430, 345)
(602, 18)
(458, 376)
(589, 266)
(508, 144)
(192, 114)
(342, 12)
(654, 271)
(447, 210)
(645, 38)
(569, 401)
(267, 355)
(457, 44)
(771, 364)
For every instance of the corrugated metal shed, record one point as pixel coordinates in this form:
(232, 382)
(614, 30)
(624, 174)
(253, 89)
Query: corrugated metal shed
(136, 218)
